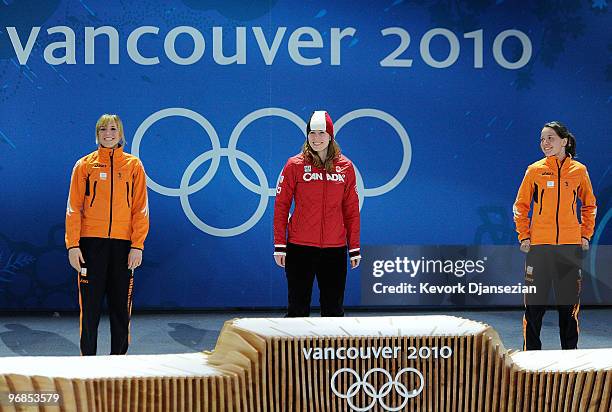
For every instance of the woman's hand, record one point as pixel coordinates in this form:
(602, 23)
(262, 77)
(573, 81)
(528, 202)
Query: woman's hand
(134, 258)
(75, 257)
(525, 245)
(280, 260)
(585, 244)
(355, 262)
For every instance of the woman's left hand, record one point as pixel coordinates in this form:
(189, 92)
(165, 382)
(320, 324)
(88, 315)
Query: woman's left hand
(355, 262)
(585, 244)
(134, 258)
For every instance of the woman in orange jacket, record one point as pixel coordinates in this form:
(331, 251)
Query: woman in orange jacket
(553, 237)
(107, 221)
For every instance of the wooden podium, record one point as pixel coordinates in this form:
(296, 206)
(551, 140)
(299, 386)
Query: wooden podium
(420, 363)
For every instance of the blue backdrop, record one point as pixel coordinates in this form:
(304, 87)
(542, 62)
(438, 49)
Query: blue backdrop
(438, 103)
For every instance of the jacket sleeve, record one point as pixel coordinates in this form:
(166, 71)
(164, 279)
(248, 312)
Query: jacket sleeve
(588, 210)
(521, 207)
(282, 205)
(350, 213)
(74, 204)
(140, 208)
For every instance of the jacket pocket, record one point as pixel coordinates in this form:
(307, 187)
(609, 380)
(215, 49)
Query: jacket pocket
(293, 222)
(574, 204)
(541, 200)
(127, 193)
(93, 198)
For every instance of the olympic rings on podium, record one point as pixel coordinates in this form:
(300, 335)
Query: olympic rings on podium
(371, 392)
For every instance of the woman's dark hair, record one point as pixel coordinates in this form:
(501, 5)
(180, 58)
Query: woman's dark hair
(564, 133)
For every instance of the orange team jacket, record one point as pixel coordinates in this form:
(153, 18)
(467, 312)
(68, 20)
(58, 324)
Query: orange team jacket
(108, 198)
(554, 187)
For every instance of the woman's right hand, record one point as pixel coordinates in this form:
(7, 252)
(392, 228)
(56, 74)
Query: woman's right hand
(525, 245)
(75, 257)
(280, 260)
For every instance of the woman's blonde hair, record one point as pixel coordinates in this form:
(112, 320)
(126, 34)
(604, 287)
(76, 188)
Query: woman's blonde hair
(104, 120)
(333, 152)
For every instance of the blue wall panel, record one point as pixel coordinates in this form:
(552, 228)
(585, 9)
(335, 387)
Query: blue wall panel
(464, 132)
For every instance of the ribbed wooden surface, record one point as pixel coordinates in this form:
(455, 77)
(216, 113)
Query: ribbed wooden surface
(262, 366)
(131, 394)
(183, 382)
(480, 375)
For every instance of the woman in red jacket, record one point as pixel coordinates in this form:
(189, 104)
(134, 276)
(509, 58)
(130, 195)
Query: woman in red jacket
(553, 238)
(313, 242)
(107, 221)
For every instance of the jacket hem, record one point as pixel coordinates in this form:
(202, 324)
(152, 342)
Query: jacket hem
(315, 244)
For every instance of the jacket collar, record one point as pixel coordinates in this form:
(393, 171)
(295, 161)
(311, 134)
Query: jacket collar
(554, 163)
(105, 153)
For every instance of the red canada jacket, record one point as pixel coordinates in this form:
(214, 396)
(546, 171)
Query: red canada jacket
(326, 210)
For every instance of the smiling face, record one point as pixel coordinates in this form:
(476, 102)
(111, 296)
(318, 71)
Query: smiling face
(319, 141)
(108, 135)
(551, 144)
(109, 131)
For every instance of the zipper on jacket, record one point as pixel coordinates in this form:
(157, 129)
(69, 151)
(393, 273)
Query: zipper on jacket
(535, 192)
(558, 194)
(324, 201)
(112, 176)
(127, 196)
(541, 200)
(574, 203)
(94, 193)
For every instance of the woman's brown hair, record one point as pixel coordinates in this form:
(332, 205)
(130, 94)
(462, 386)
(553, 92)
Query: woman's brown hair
(333, 152)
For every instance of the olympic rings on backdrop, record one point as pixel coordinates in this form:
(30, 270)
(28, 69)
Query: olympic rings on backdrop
(234, 154)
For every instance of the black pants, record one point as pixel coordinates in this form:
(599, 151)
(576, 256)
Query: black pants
(557, 267)
(302, 264)
(107, 274)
